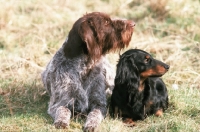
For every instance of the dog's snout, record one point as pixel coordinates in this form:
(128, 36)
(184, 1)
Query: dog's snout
(131, 23)
(167, 67)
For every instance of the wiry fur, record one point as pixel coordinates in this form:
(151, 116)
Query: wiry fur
(138, 90)
(78, 75)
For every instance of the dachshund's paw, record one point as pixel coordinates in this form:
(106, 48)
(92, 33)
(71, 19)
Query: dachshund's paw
(129, 122)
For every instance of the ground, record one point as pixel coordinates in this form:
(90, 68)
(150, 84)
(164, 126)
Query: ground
(32, 31)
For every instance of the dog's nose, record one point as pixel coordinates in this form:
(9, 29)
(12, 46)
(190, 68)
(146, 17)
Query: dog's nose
(167, 67)
(132, 23)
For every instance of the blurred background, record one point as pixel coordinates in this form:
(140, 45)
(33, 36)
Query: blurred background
(31, 31)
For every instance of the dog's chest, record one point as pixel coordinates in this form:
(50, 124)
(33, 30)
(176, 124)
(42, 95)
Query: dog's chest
(90, 68)
(85, 72)
(141, 88)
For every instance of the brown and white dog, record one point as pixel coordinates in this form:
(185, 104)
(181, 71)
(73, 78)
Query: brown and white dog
(78, 75)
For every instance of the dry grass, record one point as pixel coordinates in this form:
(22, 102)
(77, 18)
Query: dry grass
(32, 31)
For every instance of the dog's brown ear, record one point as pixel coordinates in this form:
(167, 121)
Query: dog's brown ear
(89, 35)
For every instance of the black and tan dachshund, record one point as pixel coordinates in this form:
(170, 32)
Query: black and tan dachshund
(139, 91)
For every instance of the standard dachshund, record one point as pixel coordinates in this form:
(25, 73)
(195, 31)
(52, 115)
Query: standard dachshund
(139, 91)
(78, 75)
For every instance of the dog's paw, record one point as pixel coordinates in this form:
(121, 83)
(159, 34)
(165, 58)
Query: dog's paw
(93, 120)
(89, 129)
(62, 117)
(129, 122)
(61, 125)
(159, 113)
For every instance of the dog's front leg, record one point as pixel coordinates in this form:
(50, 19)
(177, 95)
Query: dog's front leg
(94, 118)
(96, 86)
(62, 117)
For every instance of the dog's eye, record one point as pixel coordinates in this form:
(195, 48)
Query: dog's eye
(90, 22)
(146, 60)
(107, 22)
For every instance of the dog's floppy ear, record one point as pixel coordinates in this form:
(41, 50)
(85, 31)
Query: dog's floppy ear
(127, 72)
(83, 37)
(89, 35)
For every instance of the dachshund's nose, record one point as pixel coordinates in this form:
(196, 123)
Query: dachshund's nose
(167, 67)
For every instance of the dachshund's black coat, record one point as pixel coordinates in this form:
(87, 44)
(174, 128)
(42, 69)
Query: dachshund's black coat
(139, 90)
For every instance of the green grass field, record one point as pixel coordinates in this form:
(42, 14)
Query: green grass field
(31, 31)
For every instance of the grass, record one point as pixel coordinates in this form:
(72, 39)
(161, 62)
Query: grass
(32, 31)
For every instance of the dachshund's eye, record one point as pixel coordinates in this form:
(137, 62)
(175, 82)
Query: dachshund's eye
(146, 60)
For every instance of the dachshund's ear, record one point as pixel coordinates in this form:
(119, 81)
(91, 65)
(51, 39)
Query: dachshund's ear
(89, 34)
(127, 72)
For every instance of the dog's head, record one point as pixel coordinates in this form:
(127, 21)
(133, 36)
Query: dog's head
(95, 34)
(135, 64)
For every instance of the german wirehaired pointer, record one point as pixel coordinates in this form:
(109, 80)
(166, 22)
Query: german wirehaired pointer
(139, 90)
(78, 75)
